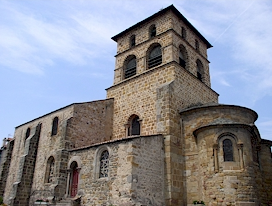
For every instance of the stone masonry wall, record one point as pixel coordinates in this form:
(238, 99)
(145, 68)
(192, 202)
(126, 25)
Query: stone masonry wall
(169, 36)
(163, 23)
(48, 145)
(140, 51)
(147, 177)
(51, 145)
(177, 24)
(138, 96)
(5, 164)
(18, 151)
(184, 91)
(192, 56)
(229, 186)
(135, 173)
(91, 123)
(206, 176)
(21, 190)
(157, 94)
(266, 172)
(142, 34)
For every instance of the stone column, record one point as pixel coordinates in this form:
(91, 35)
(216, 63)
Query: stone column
(240, 150)
(126, 129)
(69, 171)
(215, 153)
(140, 122)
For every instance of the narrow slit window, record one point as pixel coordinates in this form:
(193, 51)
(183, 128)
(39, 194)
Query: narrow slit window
(197, 45)
(182, 59)
(55, 126)
(132, 41)
(183, 33)
(152, 31)
(199, 70)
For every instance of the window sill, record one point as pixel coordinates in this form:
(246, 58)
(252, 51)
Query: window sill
(102, 179)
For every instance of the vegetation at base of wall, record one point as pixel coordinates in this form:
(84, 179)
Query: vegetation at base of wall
(2, 202)
(198, 202)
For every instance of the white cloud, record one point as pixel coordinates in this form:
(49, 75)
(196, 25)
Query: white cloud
(33, 43)
(82, 30)
(254, 47)
(243, 26)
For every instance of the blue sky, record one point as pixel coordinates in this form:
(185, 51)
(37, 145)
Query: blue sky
(54, 53)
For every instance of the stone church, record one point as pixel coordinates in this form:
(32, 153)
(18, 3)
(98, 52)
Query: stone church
(159, 138)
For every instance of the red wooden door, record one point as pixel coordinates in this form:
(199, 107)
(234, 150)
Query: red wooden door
(74, 183)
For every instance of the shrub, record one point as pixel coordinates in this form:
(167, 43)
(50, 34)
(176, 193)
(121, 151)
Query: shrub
(198, 202)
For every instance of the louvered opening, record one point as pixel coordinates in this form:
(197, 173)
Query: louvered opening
(130, 68)
(155, 57)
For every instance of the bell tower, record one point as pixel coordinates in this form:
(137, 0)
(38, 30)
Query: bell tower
(161, 67)
(164, 50)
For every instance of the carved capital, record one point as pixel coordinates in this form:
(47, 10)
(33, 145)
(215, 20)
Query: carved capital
(240, 145)
(215, 146)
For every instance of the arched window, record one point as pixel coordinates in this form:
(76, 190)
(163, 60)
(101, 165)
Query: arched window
(196, 45)
(134, 125)
(104, 164)
(49, 174)
(199, 68)
(130, 67)
(182, 57)
(228, 150)
(55, 126)
(183, 33)
(132, 41)
(27, 133)
(152, 31)
(155, 57)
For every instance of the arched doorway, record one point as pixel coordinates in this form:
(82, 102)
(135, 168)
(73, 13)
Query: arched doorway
(74, 179)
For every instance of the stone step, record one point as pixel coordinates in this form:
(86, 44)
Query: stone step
(64, 203)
